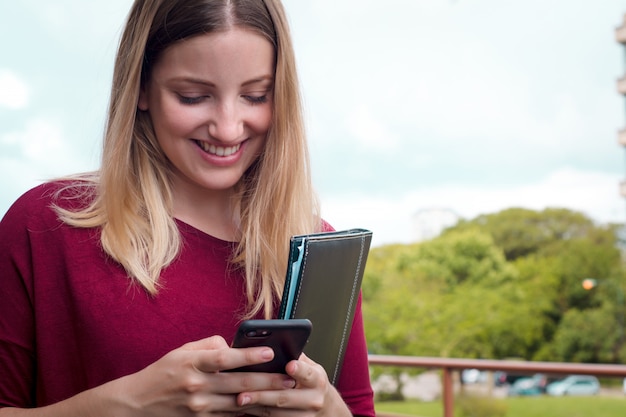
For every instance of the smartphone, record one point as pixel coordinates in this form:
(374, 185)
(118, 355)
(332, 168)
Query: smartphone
(287, 339)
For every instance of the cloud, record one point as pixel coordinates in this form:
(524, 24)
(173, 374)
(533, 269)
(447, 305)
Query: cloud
(14, 92)
(42, 150)
(64, 19)
(16, 176)
(391, 219)
(448, 103)
(40, 138)
(36, 153)
(369, 131)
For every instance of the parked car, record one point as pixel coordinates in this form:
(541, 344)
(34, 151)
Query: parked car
(575, 385)
(535, 385)
(501, 378)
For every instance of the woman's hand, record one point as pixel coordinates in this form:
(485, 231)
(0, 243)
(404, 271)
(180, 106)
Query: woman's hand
(313, 395)
(188, 381)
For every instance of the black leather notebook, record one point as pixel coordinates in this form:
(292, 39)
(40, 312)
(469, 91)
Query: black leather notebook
(322, 284)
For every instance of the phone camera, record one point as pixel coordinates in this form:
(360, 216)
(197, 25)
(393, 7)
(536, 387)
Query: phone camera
(257, 333)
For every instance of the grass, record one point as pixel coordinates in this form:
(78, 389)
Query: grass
(543, 406)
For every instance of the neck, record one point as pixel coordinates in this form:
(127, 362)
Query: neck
(211, 211)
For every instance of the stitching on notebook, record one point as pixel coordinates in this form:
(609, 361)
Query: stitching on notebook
(345, 325)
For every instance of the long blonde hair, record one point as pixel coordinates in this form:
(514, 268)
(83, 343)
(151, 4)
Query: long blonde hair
(131, 196)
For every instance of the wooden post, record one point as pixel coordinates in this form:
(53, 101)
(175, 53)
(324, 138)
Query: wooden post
(448, 393)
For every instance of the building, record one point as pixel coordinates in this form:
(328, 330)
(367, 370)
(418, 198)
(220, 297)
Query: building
(429, 223)
(620, 37)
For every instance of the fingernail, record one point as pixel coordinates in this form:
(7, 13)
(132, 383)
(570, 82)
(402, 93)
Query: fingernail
(267, 354)
(289, 383)
(245, 400)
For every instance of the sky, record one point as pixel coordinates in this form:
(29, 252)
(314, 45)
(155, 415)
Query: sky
(471, 106)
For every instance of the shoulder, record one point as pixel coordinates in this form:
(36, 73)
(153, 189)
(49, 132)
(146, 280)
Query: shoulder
(33, 233)
(37, 205)
(326, 227)
(35, 201)
(40, 195)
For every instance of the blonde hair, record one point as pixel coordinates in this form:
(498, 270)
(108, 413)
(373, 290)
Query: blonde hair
(131, 196)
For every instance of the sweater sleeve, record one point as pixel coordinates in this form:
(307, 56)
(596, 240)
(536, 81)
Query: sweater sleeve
(17, 361)
(354, 382)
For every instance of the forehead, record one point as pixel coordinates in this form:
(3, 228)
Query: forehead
(236, 52)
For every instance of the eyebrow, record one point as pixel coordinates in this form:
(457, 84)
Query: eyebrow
(193, 80)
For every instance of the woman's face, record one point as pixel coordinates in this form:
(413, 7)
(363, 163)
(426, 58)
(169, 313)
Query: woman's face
(210, 101)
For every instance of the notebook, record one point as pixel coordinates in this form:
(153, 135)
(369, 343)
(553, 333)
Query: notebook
(322, 284)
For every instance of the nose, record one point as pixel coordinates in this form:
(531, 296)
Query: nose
(226, 124)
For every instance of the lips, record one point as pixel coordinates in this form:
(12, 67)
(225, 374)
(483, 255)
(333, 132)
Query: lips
(218, 150)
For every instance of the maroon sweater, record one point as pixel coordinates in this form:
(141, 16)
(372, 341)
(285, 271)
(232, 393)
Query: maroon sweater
(70, 319)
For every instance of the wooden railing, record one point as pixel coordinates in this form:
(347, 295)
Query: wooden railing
(449, 365)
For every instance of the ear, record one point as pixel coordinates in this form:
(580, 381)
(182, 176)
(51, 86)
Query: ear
(142, 103)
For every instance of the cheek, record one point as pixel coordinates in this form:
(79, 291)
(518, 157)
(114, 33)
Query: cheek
(177, 120)
(262, 120)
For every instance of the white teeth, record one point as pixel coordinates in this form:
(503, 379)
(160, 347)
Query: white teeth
(219, 150)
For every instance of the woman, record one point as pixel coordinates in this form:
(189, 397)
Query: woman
(121, 289)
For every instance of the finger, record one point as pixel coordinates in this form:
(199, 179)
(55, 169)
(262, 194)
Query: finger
(294, 399)
(308, 395)
(228, 358)
(237, 382)
(200, 403)
(307, 373)
(210, 343)
(278, 399)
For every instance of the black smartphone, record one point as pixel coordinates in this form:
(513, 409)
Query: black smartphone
(287, 339)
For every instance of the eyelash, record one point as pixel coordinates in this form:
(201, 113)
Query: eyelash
(190, 100)
(256, 100)
(195, 100)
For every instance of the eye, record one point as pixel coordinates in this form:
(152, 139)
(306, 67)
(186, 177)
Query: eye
(190, 100)
(256, 99)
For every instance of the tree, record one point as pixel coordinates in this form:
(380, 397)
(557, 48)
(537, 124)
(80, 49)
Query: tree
(522, 232)
(584, 336)
(502, 285)
(433, 298)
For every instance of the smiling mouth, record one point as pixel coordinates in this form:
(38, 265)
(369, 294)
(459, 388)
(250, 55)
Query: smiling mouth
(218, 150)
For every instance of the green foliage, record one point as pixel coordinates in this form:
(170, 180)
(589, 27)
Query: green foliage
(501, 285)
(586, 336)
(466, 256)
(462, 271)
(479, 406)
(522, 232)
(604, 406)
